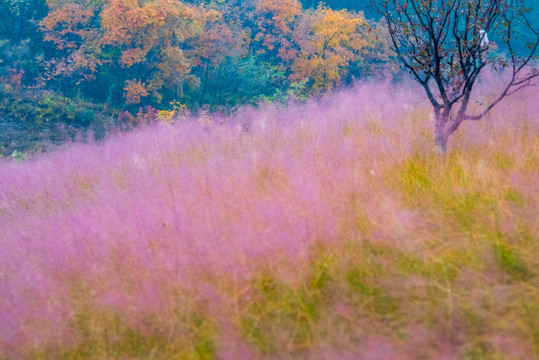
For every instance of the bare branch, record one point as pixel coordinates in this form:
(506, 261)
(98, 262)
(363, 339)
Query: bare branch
(506, 92)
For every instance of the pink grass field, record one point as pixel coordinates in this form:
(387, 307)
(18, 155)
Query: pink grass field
(325, 230)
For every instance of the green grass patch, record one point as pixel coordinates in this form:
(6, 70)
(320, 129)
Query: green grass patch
(510, 262)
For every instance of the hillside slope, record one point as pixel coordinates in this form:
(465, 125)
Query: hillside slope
(320, 231)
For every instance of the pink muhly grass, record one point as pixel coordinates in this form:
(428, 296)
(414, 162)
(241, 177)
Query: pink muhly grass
(191, 213)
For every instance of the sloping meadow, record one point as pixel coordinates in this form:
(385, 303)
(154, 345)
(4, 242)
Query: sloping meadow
(327, 230)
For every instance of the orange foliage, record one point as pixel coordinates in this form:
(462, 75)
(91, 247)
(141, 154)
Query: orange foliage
(161, 44)
(134, 90)
(216, 40)
(275, 23)
(155, 34)
(280, 12)
(69, 27)
(138, 28)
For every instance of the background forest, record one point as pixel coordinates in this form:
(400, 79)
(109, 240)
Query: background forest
(70, 68)
(273, 211)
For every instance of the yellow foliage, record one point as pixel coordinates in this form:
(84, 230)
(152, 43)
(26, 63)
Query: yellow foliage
(177, 112)
(328, 40)
(336, 28)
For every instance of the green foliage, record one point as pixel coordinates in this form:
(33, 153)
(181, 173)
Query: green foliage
(241, 81)
(297, 91)
(33, 121)
(281, 313)
(510, 262)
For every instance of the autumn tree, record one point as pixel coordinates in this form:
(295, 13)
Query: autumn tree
(153, 39)
(376, 59)
(212, 46)
(444, 45)
(275, 20)
(70, 26)
(327, 41)
(243, 54)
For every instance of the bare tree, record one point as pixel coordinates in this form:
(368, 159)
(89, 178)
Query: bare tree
(443, 44)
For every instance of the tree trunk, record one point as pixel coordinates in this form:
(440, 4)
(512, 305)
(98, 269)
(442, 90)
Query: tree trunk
(441, 134)
(446, 125)
(204, 85)
(440, 140)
